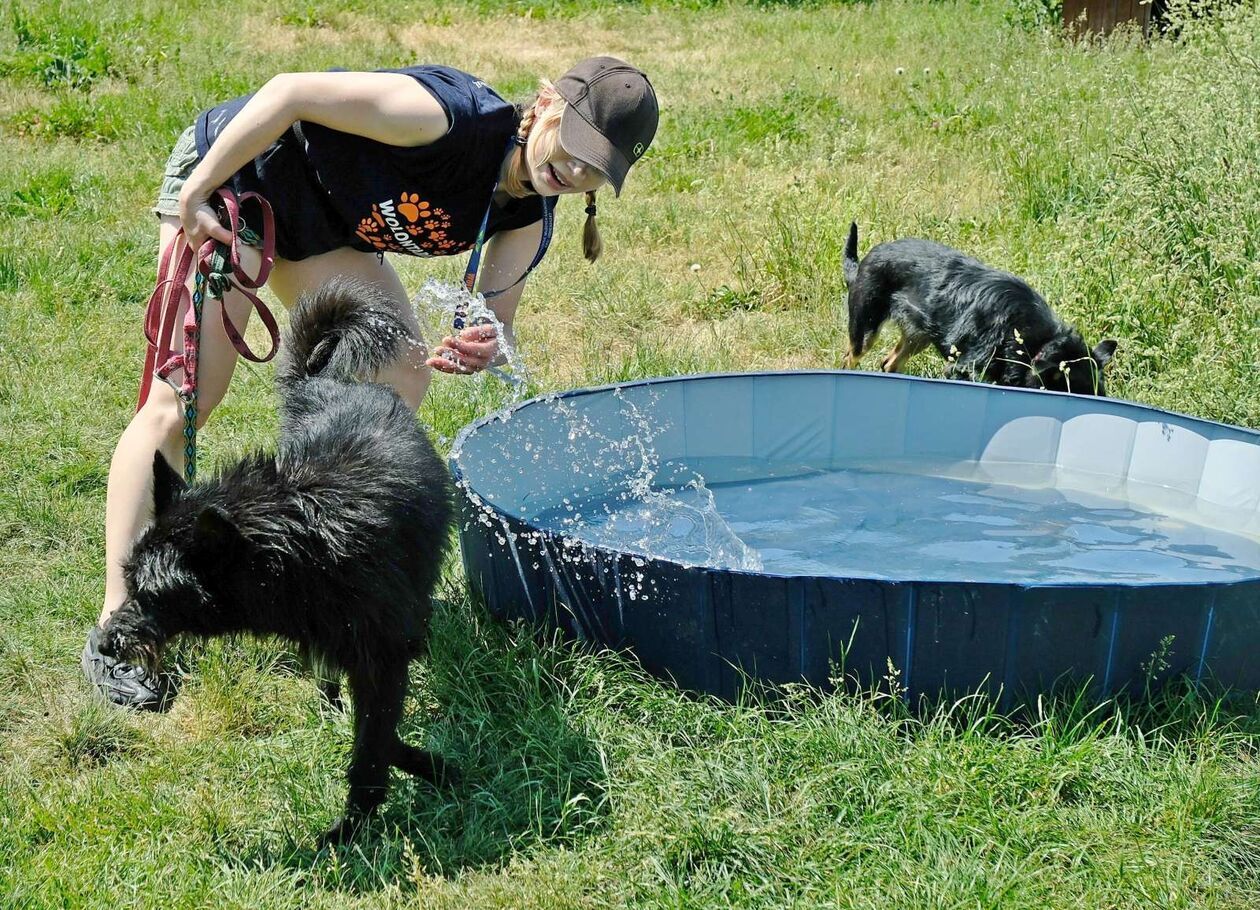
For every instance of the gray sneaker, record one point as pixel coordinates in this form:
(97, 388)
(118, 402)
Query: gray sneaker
(129, 685)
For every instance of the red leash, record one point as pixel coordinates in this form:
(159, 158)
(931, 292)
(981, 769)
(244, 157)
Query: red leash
(218, 270)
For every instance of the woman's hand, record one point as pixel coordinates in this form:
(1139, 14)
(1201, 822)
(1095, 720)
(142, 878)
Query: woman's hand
(471, 351)
(198, 219)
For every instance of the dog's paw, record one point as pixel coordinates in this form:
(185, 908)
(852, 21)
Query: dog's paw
(344, 831)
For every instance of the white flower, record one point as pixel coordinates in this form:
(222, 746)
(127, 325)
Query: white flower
(900, 71)
(695, 266)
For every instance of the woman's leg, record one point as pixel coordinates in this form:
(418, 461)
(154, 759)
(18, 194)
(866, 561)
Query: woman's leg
(159, 425)
(289, 280)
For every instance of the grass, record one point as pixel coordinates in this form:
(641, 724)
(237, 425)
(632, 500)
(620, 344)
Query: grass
(1120, 177)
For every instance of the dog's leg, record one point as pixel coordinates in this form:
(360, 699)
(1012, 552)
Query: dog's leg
(422, 763)
(860, 329)
(859, 340)
(895, 359)
(331, 690)
(327, 676)
(869, 305)
(858, 337)
(906, 348)
(378, 699)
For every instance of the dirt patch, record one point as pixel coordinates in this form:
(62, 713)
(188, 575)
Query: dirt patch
(509, 49)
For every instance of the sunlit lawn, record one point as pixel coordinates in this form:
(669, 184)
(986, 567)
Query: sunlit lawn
(1122, 179)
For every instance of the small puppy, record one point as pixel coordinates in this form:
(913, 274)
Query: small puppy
(334, 542)
(989, 325)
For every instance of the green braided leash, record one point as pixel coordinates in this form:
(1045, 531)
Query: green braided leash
(217, 283)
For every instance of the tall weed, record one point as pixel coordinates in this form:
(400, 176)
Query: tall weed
(1172, 239)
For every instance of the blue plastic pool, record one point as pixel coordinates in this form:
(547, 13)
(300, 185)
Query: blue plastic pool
(807, 526)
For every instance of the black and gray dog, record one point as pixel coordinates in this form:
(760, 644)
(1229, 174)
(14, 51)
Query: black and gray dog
(989, 325)
(335, 542)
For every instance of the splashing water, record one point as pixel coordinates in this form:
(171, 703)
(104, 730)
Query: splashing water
(681, 524)
(612, 491)
(676, 520)
(438, 303)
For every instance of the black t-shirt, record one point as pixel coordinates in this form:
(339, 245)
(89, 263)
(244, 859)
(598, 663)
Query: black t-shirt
(331, 189)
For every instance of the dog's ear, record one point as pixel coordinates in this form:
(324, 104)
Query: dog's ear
(215, 532)
(1104, 351)
(167, 484)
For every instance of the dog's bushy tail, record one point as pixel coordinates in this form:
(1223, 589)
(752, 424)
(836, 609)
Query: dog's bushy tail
(850, 254)
(347, 329)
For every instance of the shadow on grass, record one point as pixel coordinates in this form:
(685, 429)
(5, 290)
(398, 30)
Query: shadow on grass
(529, 775)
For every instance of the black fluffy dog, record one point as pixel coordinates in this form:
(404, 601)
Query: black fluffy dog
(334, 542)
(989, 325)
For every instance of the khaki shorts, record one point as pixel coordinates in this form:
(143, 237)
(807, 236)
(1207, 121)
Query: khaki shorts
(183, 159)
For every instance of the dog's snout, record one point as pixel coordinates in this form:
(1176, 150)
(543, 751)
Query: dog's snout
(115, 643)
(109, 644)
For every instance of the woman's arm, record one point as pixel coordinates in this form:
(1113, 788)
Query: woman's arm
(507, 256)
(389, 107)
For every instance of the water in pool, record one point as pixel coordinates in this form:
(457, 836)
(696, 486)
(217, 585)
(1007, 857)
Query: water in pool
(860, 522)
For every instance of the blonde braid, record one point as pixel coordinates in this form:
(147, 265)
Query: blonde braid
(527, 119)
(592, 245)
(513, 181)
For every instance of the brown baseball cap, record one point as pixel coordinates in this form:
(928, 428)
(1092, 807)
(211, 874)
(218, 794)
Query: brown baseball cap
(611, 115)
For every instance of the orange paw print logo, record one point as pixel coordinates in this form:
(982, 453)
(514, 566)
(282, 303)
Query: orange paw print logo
(412, 225)
(412, 207)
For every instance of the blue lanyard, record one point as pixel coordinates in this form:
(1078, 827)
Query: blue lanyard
(474, 261)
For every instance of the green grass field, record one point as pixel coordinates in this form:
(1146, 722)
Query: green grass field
(1121, 178)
